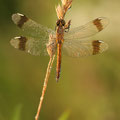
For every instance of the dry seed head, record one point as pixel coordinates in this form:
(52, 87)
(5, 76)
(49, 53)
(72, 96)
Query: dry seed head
(63, 2)
(66, 2)
(59, 11)
(67, 5)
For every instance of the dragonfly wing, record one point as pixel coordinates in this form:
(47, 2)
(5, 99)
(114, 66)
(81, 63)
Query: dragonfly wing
(77, 48)
(87, 30)
(30, 27)
(30, 45)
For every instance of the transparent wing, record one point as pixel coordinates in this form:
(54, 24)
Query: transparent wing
(30, 27)
(31, 45)
(87, 30)
(77, 48)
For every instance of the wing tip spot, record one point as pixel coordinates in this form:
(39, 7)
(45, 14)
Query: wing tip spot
(97, 22)
(96, 46)
(22, 43)
(19, 19)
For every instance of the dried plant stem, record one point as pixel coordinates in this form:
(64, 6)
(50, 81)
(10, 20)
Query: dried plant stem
(45, 85)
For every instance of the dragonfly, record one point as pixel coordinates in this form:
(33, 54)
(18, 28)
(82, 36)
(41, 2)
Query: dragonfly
(75, 42)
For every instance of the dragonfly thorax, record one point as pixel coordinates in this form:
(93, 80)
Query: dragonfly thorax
(60, 26)
(60, 23)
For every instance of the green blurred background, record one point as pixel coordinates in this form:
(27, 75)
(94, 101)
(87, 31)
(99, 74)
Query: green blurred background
(89, 88)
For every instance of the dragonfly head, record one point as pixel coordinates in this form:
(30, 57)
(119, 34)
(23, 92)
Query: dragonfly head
(60, 23)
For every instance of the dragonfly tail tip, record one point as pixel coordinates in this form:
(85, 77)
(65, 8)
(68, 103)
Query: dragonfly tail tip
(57, 80)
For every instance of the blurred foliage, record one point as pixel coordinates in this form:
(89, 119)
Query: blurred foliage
(17, 113)
(65, 115)
(88, 86)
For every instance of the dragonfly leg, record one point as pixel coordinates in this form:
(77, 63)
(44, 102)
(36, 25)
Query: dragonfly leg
(67, 26)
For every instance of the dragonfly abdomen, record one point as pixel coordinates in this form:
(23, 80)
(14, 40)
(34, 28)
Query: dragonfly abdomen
(58, 69)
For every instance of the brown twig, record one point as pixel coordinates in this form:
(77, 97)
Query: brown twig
(45, 85)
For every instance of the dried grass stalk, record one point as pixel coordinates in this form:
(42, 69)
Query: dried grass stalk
(45, 86)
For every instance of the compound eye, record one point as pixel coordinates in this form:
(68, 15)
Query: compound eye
(63, 23)
(58, 23)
